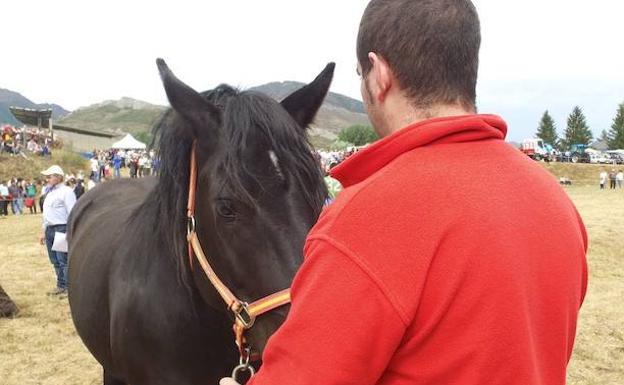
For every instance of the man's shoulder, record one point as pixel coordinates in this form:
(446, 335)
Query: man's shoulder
(65, 189)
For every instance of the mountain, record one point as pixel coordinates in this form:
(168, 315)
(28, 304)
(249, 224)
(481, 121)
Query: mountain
(337, 112)
(10, 98)
(124, 115)
(133, 116)
(279, 91)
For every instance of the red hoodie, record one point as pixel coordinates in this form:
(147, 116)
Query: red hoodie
(449, 258)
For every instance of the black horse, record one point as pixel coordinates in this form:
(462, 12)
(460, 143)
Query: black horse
(146, 315)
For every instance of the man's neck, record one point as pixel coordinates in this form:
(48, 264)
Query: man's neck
(402, 114)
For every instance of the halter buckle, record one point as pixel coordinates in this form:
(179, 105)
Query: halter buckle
(190, 224)
(243, 317)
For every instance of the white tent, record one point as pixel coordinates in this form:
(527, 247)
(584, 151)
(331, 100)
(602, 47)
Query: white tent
(129, 143)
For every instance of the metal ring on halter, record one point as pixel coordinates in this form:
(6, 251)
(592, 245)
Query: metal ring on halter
(244, 356)
(242, 368)
(190, 225)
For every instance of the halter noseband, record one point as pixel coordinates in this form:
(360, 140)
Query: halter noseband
(244, 314)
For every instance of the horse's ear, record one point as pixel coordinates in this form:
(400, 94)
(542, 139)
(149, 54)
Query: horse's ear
(185, 100)
(304, 103)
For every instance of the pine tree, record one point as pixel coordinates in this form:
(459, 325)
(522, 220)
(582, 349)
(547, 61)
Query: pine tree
(604, 136)
(577, 131)
(547, 131)
(616, 134)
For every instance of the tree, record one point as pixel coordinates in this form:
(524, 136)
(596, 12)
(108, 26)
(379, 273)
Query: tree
(144, 136)
(7, 307)
(604, 136)
(359, 135)
(577, 131)
(339, 145)
(547, 131)
(616, 134)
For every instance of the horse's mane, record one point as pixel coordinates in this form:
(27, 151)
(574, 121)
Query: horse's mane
(242, 112)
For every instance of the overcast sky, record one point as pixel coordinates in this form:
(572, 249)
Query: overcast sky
(536, 54)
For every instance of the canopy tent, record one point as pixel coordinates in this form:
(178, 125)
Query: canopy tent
(129, 143)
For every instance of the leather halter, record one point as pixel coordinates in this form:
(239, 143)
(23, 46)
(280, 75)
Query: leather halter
(244, 314)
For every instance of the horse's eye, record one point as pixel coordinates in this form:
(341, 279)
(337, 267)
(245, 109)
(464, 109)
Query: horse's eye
(225, 210)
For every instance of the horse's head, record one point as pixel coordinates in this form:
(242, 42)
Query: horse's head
(259, 190)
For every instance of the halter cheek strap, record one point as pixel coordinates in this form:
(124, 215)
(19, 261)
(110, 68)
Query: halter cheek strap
(244, 314)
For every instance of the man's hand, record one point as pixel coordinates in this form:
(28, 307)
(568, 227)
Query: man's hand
(228, 381)
(42, 238)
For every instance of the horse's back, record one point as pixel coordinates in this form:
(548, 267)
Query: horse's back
(117, 199)
(100, 218)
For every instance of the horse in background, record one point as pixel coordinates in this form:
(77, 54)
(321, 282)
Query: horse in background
(144, 313)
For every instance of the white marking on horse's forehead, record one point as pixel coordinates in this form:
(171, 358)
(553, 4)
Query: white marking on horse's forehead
(275, 162)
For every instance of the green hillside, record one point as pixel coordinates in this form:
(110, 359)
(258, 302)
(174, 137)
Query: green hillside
(125, 115)
(18, 167)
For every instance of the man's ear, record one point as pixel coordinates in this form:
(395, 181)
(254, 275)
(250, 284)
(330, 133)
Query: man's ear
(304, 103)
(380, 77)
(187, 102)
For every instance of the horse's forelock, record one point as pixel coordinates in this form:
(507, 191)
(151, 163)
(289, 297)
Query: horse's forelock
(253, 120)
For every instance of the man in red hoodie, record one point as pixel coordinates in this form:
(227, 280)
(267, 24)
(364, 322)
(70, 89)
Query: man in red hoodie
(410, 278)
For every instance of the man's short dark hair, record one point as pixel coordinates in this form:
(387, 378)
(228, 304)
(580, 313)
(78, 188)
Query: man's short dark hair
(432, 47)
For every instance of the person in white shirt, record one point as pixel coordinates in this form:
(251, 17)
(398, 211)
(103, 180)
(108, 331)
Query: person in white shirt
(619, 178)
(603, 179)
(4, 199)
(95, 169)
(58, 203)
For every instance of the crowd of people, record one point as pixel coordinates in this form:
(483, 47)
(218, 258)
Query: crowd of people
(27, 195)
(615, 179)
(20, 195)
(17, 141)
(330, 159)
(108, 163)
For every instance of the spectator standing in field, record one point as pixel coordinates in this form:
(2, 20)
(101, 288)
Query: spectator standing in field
(142, 162)
(58, 203)
(155, 165)
(31, 193)
(117, 165)
(134, 165)
(4, 199)
(101, 159)
(16, 194)
(79, 189)
(603, 179)
(619, 178)
(95, 175)
(147, 166)
(612, 178)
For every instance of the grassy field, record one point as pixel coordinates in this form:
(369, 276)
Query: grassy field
(40, 346)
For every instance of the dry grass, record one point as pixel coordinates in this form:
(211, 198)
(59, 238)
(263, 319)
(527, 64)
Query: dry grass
(41, 346)
(599, 352)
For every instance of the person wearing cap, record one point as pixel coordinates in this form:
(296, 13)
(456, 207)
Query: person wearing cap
(409, 280)
(58, 203)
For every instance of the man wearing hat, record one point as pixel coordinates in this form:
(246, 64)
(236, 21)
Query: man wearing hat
(57, 205)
